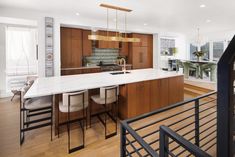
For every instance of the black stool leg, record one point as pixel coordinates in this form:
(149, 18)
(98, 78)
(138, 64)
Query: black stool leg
(105, 123)
(21, 127)
(58, 123)
(90, 114)
(51, 121)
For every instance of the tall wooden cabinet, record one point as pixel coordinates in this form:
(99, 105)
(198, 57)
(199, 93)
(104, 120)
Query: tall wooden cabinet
(141, 53)
(71, 47)
(86, 43)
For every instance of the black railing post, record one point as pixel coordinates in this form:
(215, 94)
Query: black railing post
(164, 143)
(197, 125)
(122, 141)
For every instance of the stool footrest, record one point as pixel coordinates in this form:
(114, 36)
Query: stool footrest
(76, 149)
(38, 113)
(38, 120)
(36, 127)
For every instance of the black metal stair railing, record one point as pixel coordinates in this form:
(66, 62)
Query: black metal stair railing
(166, 134)
(226, 100)
(194, 120)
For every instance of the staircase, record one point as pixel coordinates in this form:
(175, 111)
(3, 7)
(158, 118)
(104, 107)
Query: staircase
(191, 90)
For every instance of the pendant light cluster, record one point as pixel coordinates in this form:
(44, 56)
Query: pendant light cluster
(118, 36)
(199, 40)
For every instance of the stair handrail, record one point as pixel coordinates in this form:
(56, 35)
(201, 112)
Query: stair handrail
(225, 103)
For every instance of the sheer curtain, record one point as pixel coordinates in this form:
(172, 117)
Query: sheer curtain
(21, 55)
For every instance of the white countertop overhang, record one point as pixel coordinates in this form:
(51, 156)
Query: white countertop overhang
(70, 83)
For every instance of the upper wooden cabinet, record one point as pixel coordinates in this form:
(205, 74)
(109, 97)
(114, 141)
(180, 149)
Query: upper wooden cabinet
(144, 42)
(71, 47)
(124, 48)
(86, 43)
(141, 53)
(108, 44)
(65, 41)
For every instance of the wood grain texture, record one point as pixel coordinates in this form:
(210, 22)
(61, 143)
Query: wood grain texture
(86, 44)
(38, 144)
(66, 49)
(138, 101)
(71, 47)
(146, 96)
(80, 71)
(159, 94)
(124, 50)
(141, 53)
(108, 44)
(176, 93)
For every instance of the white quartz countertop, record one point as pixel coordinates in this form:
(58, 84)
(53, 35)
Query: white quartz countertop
(70, 83)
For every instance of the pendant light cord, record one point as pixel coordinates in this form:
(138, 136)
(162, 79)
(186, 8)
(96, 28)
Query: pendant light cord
(107, 22)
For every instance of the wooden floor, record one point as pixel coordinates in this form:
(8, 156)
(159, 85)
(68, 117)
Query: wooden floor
(37, 143)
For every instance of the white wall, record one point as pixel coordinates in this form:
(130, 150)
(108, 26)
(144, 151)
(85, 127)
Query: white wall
(156, 51)
(2, 60)
(180, 43)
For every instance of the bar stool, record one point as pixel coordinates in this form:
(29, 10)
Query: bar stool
(74, 102)
(108, 96)
(41, 109)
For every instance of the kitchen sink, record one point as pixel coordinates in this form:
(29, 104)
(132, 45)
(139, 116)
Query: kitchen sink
(120, 72)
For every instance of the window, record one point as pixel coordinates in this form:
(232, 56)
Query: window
(21, 55)
(218, 49)
(192, 50)
(204, 48)
(166, 46)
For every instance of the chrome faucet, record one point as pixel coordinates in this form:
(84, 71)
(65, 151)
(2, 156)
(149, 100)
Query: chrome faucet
(124, 65)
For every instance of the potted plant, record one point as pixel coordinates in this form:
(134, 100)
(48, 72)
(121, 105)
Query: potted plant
(198, 54)
(174, 51)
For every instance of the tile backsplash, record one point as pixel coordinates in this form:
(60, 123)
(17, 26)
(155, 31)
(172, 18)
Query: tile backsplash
(104, 55)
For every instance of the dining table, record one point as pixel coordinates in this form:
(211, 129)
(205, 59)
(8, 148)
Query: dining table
(200, 66)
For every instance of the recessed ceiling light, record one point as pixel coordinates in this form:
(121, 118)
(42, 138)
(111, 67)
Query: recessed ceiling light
(208, 21)
(202, 6)
(77, 14)
(145, 24)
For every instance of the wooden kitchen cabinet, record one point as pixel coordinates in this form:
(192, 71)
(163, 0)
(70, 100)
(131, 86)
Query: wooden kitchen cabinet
(138, 103)
(91, 70)
(108, 44)
(71, 47)
(159, 94)
(140, 58)
(66, 41)
(86, 43)
(141, 53)
(175, 91)
(124, 49)
(80, 71)
(144, 42)
(143, 97)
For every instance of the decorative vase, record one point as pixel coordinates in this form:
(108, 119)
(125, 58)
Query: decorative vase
(198, 58)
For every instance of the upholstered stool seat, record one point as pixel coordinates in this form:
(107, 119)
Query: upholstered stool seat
(108, 98)
(74, 102)
(37, 103)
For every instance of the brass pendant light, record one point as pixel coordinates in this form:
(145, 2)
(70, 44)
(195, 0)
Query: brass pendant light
(118, 36)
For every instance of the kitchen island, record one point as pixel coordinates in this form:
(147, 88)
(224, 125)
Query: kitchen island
(141, 91)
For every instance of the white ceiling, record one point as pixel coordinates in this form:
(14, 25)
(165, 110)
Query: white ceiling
(181, 16)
